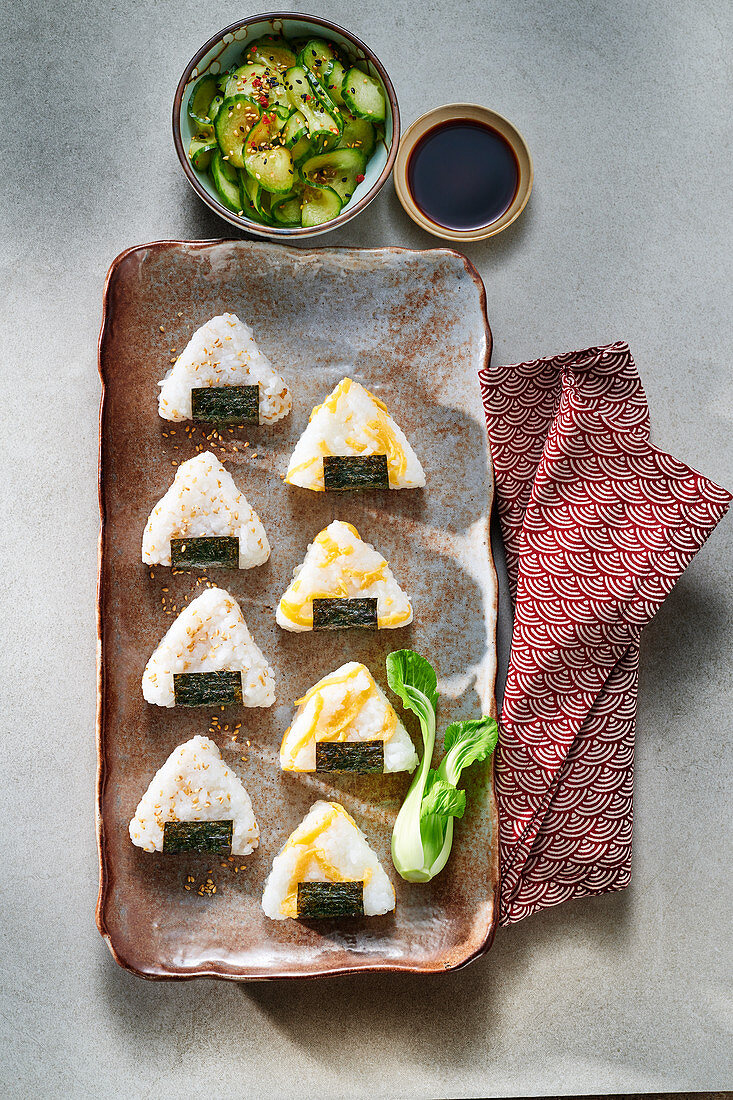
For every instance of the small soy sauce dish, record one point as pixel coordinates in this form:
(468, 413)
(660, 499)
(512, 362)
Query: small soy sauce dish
(463, 172)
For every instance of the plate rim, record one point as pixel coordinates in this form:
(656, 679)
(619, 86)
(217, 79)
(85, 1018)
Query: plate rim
(210, 970)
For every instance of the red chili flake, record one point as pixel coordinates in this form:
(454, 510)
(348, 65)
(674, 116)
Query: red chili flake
(360, 178)
(262, 101)
(256, 83)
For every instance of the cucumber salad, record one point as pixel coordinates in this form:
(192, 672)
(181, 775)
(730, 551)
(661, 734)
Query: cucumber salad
(287, 134)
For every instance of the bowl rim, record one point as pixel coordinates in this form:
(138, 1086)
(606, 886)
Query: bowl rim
(407, 143)
(246, 224)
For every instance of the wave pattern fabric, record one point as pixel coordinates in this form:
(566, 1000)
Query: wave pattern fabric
(598, 525)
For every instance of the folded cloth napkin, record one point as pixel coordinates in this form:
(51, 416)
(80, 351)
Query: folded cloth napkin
(598, 525)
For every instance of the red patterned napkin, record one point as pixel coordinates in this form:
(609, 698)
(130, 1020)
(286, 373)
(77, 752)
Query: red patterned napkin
(598, 525)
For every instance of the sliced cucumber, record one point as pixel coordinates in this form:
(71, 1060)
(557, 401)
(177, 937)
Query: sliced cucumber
(322, 60)
(296, 85)
(266, 159)
(250, 190)
(321, 94)
(200, 150)
(334, 81)
(258, 197)
(294, 129)
(226, 182)
(287, 211)
(316, 55)
(363, 96)
(260, 84)
(235, 119)
(214, 107)
(272, 52)
(358, 134)
(324, 143)
(276, 94)
(302, 149)
(303, 98)
(337, 169)
(200, 99)
(205, 130)
(242, 81)
(320, 204)
(267, 201)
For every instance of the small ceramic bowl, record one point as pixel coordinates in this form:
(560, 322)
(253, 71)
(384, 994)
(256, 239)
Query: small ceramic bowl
(452, 112)
(225, 49)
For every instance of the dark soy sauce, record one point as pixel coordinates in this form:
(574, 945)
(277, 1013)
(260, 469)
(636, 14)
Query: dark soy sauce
(463, 174)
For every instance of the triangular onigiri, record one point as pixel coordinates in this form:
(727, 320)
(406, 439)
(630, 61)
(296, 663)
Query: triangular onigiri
(209, 635)
(195, 784)
(327, 846)
(337, 564)
(346, 706)
(202, 501)
(351, 421)
(222, 352)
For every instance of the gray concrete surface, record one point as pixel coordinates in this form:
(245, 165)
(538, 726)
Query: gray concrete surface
(625, 107)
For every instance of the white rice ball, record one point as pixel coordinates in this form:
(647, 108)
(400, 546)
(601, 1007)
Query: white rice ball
(328, 845)
(222, 352)
(204, 501)
(195, 784)
(209, 635)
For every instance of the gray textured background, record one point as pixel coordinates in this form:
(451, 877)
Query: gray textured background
(625, 107)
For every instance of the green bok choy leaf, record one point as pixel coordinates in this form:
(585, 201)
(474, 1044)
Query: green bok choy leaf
(423, 832)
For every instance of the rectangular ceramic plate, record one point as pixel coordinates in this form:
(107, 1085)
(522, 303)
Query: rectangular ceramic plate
(412, 327)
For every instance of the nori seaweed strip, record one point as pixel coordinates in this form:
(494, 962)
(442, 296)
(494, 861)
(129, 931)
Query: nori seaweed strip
(207, 689)
(341, 612)
(330, 899)
(225, 404)
(208, 550)
(350, 756)
(198, 836)
(343, 472)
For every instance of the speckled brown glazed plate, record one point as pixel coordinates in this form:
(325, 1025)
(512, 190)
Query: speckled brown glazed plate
(412, 327)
